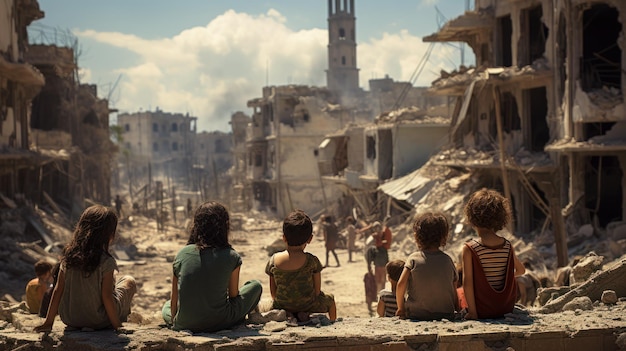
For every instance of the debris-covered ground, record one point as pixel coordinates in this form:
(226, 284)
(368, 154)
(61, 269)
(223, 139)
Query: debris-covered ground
(594, 301)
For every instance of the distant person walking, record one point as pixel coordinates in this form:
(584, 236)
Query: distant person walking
(118, 206)
(378, 254)
(189, 207)
(351, 233)
(331, 235)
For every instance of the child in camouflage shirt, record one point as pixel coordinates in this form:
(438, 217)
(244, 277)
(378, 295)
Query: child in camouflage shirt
(295, 278)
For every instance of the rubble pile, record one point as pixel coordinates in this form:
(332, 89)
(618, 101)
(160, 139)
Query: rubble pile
(433, 115)
(27, 235)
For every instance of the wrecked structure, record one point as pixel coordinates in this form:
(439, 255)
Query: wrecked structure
(212, 158)
(362, 157)
(55, 133)
(157, 144)
(542, 116)
(20, 82)
(239, 123)
(288, 123)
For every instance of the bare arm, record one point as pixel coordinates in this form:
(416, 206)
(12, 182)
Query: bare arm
(519, 267)
(233, 284)
(174, 297)
(273, 287)
(317, 281)
(403, 282)
(53, 309)
(468, 284)
(107, 299)
(380, 309)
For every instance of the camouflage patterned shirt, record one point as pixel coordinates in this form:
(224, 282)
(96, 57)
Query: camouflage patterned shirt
(295, 289)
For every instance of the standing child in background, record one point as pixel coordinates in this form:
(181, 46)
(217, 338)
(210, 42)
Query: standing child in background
(429, 276)
(86, 294)
(387, 305)
(331, 235)
(378, 254)
(295, 278)
(205, 283)
(489, 264)
(37, 287)
(351, 233)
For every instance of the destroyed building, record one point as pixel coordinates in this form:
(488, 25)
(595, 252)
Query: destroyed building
(157, 144)
(55, 133)
(541, 117)
(212, 158)
(288, 123)
(20, 82)
(239, 123)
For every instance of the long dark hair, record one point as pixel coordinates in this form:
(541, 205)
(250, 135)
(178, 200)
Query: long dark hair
(211, 225)
(94, 231)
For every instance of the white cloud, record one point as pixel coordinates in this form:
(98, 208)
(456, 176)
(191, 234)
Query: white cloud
(398, 55)
(212, 71)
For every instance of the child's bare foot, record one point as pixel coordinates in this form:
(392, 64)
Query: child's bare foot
(303, 316)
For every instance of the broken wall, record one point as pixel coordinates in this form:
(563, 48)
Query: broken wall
(414, 144)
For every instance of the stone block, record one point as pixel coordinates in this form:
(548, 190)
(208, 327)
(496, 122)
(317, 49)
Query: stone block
(545, 341)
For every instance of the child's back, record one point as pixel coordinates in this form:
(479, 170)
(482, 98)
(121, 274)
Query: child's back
(429, 275)
(489, 264)
(295, 275)
(431, 290)
(81, 304)
(86, 294)
(295, 286)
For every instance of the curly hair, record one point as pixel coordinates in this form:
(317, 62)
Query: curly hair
(93, 233)
(488, 209)
(210, 227)
(431, 230)
(297, 228)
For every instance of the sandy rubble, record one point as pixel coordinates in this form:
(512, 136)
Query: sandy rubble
(151, 252)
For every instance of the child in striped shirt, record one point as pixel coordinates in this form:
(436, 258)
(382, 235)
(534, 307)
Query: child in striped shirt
(489, 263)
(387, 305)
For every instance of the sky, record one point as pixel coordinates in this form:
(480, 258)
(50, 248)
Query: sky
(209, 57)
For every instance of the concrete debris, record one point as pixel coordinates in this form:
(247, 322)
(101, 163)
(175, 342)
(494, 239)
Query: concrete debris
(609, 297)
(579, 303)
(587, 266)
(613, 278)
(414, 114)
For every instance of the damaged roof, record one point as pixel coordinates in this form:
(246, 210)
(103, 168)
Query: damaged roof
(455, 83)
(464, 27)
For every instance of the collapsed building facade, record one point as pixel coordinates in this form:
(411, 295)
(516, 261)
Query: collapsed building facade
(55, 131)
(541, 117)
(287, 125)
(157, 144)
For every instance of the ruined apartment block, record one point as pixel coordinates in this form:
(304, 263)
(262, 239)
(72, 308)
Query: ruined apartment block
(360, 158)
(55, 133)
(239, 122)
(212, 158)
(542, 114)
(20, 82)
(288, 123)
(157, 144)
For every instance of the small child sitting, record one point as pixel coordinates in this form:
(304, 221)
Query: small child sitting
(295, 278)
(387, 305)
(489, 264)
(37, 287)
(429, 276)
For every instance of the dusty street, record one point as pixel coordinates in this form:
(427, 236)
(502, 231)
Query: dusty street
(153, 268)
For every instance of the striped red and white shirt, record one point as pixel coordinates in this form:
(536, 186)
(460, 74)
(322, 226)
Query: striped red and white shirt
(494, 262)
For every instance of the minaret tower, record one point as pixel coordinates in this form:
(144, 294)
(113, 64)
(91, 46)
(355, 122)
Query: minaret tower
(342, 74)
